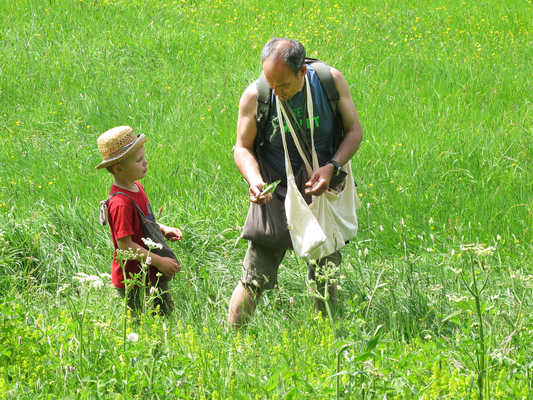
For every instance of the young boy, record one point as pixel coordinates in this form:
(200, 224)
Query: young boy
(130, 217)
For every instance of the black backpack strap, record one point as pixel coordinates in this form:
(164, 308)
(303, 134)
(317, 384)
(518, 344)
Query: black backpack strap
(264, 94)
(323, 71)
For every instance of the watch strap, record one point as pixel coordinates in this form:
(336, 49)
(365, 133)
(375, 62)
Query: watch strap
(337, 166)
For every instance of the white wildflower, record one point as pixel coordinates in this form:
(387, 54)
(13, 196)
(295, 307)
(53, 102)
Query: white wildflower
(456, 299)
(91, 280)
(151, 244)
(62, 288)
(478, 248)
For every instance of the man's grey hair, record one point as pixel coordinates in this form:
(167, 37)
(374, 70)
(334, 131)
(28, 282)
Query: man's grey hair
(290, 51)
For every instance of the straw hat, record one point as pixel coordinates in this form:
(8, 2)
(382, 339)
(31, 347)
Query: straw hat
(117, 143)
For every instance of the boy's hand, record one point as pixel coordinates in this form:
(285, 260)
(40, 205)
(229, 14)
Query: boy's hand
(168, 266)
(172, 234)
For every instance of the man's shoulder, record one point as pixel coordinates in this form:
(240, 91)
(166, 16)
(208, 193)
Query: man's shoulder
(338, 79)
(335, 73)
(248, 102)
(251, 92)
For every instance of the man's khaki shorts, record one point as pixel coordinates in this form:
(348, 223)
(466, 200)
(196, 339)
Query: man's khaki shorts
(261, 264)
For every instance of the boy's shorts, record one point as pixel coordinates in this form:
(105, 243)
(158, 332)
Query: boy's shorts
(261, 264)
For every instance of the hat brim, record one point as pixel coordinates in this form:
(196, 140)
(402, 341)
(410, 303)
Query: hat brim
(113, 160)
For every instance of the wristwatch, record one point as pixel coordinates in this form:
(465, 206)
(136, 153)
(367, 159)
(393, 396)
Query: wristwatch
(337, 166)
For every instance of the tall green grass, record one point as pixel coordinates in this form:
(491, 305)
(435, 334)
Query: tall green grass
(444, 95)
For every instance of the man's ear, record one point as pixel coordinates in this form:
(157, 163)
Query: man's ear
(303, 69)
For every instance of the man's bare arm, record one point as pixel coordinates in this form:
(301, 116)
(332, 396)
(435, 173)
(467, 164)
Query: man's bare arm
(243, 151)
(353, 132)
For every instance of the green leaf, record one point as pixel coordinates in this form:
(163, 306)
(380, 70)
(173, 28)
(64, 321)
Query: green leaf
(270, 188)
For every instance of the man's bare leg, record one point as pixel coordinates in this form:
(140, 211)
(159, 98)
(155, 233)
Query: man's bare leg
(242, 305)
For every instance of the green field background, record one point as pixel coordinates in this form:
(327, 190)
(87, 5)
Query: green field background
(444, 95)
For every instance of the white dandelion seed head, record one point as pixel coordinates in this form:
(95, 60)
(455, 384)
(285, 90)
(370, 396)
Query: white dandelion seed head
(133, 337)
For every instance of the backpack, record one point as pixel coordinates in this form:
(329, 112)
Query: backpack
(264, 94)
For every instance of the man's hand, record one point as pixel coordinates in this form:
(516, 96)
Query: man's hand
(319, 181)
(167, 266)
(255, 193)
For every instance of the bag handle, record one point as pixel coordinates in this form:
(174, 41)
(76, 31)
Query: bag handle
(282, 114)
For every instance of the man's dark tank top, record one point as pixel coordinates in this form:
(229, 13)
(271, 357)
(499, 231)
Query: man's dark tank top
(325, 128)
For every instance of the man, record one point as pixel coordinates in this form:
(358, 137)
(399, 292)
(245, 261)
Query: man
(285, 70)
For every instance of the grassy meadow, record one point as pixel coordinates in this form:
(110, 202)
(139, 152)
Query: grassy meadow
(436, 297)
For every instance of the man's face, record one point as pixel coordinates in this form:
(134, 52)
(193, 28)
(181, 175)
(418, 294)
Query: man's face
(283, 81)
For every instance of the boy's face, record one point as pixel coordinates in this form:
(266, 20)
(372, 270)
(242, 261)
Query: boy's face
(135, 166)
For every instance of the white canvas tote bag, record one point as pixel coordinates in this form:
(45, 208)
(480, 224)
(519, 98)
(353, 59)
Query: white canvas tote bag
(323, 227)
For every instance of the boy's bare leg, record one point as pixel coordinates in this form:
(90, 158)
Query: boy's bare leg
(242, 305)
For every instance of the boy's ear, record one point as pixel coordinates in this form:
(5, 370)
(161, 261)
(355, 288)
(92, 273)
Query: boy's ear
(115, 168)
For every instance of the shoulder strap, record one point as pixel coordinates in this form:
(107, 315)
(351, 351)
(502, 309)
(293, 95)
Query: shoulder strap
(104, 205)
(129, 197)
(264, 94)
(323, 71)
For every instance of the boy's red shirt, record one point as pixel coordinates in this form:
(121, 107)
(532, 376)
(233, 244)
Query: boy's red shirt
(124, 221)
